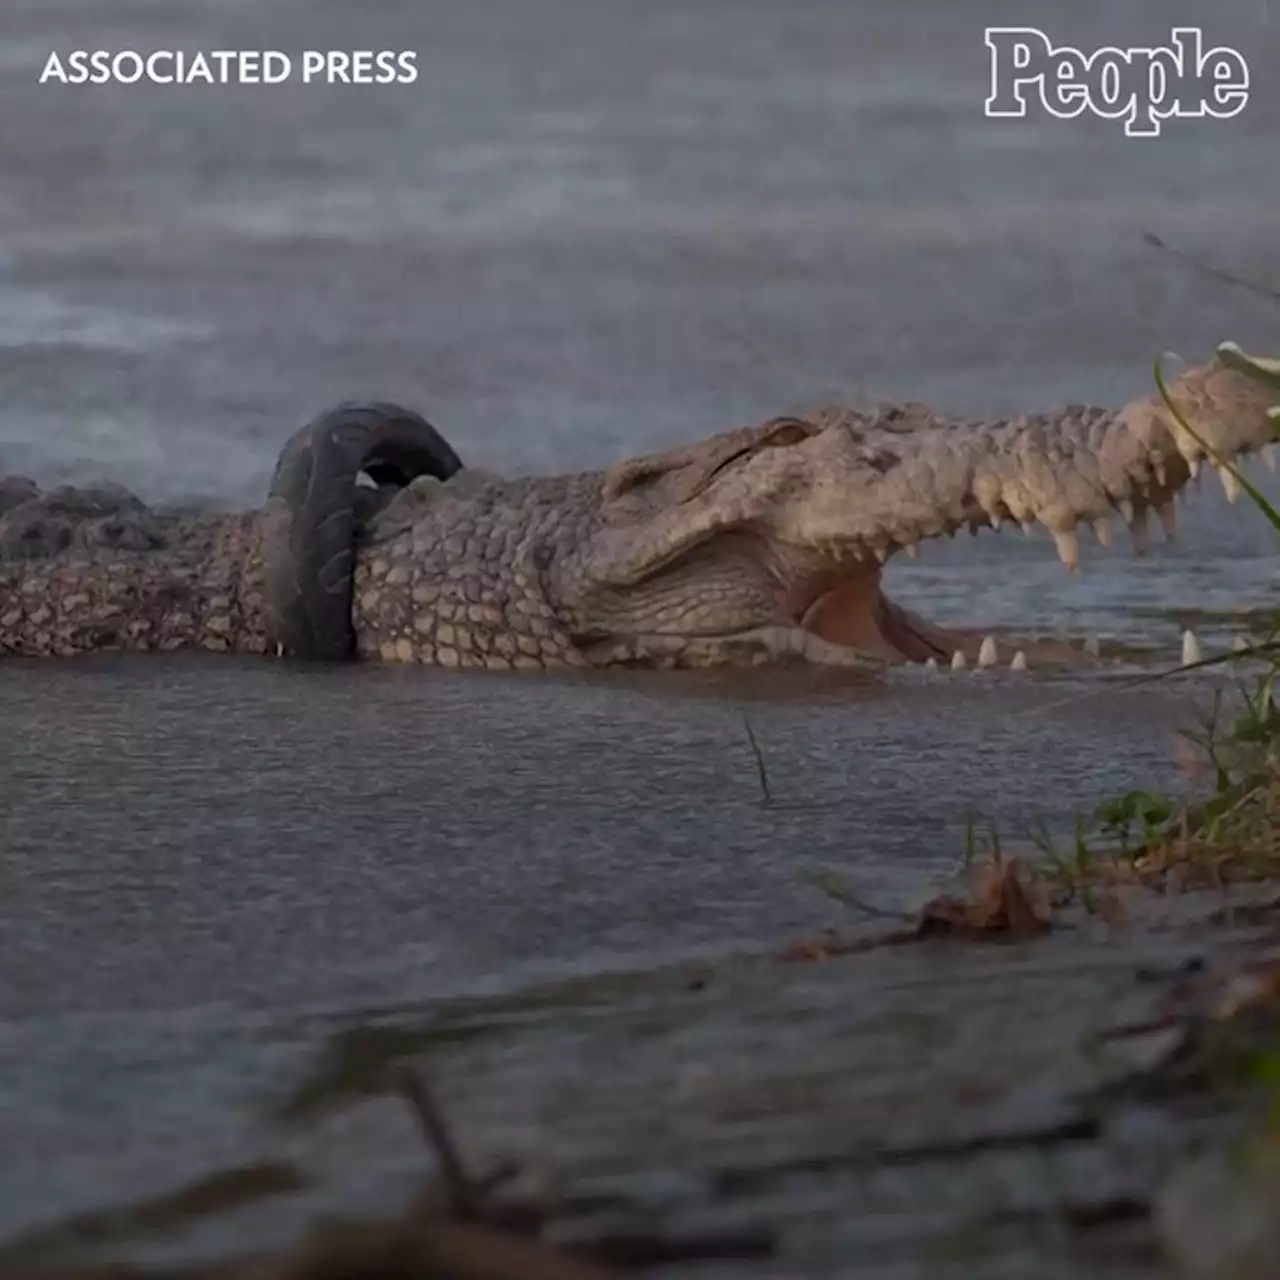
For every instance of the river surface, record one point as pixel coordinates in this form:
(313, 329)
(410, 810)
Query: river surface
(590, 229)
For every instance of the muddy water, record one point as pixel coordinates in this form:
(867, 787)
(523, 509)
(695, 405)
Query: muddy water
(580, 235)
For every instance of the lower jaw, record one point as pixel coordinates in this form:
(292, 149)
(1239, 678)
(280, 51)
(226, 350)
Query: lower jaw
(891, 633)
(912, 639)
(912, 636)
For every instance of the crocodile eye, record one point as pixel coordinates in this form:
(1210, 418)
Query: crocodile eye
(641, 478)
(787, 431)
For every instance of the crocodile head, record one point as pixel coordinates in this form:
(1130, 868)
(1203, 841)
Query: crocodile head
(774, 538)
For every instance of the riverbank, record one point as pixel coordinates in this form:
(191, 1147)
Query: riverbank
(1033, 1095)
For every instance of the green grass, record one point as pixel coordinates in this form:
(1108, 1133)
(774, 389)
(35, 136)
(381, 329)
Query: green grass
(1231, 832)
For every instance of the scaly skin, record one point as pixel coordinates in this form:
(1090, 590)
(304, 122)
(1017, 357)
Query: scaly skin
(130, 578)
(758, 545)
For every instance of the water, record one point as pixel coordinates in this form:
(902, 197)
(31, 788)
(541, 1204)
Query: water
(582, 234)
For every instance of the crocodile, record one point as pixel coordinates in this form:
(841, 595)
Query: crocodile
(759, 545)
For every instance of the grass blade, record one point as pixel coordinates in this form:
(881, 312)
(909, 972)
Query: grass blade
(1223, 464)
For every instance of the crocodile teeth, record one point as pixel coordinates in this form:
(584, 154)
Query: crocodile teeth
(1157, 465)
(931, 664)
(1019, 662)
(1230, 485)
(1027, 526)
(958, 661)
(1126, 510)
(912, 549)
(1193, 465)
(1191, 651)
(1168, 514)
(996, 521)
(1068, 550)
(987, 655)
(1102, 531)
(881, 554)
(1093, 647)
(1271, 456)
(1240, 644)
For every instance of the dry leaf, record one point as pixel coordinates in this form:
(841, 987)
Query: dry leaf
(1005, 898)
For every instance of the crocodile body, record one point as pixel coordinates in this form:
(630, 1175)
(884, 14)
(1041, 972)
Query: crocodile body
(760, 544)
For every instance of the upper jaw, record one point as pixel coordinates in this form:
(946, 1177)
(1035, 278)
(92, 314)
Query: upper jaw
(1076, 465)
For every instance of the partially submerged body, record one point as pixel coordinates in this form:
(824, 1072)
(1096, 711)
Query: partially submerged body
(757, 545)
(92, 569)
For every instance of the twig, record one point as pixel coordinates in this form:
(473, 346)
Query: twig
(762, 769)
(459, 1188)
(836, 887)
(1218, 273)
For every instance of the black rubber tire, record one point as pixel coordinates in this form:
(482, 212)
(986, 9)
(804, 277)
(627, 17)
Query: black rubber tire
(310, 522)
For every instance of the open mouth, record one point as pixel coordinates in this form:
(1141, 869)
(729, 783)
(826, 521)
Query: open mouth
(856, 614)
(1131, 463)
